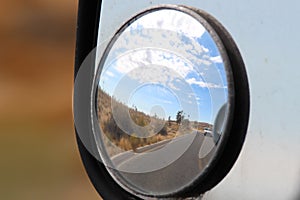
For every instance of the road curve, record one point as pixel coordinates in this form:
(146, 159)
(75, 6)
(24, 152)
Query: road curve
(165, 167)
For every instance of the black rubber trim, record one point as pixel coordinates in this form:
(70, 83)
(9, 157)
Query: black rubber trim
(87, 30)
(241, 112)
(87, 34)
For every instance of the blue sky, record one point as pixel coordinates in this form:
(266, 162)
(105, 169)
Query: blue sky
(171, 63)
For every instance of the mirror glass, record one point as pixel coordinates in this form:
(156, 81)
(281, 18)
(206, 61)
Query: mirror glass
(162, 101)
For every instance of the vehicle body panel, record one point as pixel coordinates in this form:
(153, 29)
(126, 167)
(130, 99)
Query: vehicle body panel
(267, 35)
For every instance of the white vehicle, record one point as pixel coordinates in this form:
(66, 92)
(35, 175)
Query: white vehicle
(208, 131)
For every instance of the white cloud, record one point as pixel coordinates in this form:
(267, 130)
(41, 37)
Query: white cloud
(206, 50)
(171, 20)
(149, 54)
(151, 65)
(193, 81)
(216, 59)
(110, 74)
(182, 56)
(172, 47)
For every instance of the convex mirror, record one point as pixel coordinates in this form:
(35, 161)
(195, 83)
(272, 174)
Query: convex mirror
(164, 101)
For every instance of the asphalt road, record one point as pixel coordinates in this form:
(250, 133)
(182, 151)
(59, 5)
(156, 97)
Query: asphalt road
(167, 166)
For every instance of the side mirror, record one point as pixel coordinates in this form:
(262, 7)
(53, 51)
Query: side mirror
(165, 112)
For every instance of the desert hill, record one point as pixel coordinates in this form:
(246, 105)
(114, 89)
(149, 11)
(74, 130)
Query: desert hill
(139, 129)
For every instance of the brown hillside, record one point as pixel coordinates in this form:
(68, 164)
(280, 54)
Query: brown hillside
(125, 136)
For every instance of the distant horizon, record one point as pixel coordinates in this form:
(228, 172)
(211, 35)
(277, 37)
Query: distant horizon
(133, 107)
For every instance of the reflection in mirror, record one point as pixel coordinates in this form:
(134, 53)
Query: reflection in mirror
(162, 101)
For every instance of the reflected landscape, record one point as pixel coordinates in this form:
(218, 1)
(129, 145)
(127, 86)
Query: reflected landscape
(162, 102)
(152, 128)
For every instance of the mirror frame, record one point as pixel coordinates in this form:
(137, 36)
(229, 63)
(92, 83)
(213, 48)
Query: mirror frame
(211, 165)
(87, 34)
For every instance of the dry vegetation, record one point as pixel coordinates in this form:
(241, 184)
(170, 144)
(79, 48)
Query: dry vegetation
(124, 136)
(120, 136)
